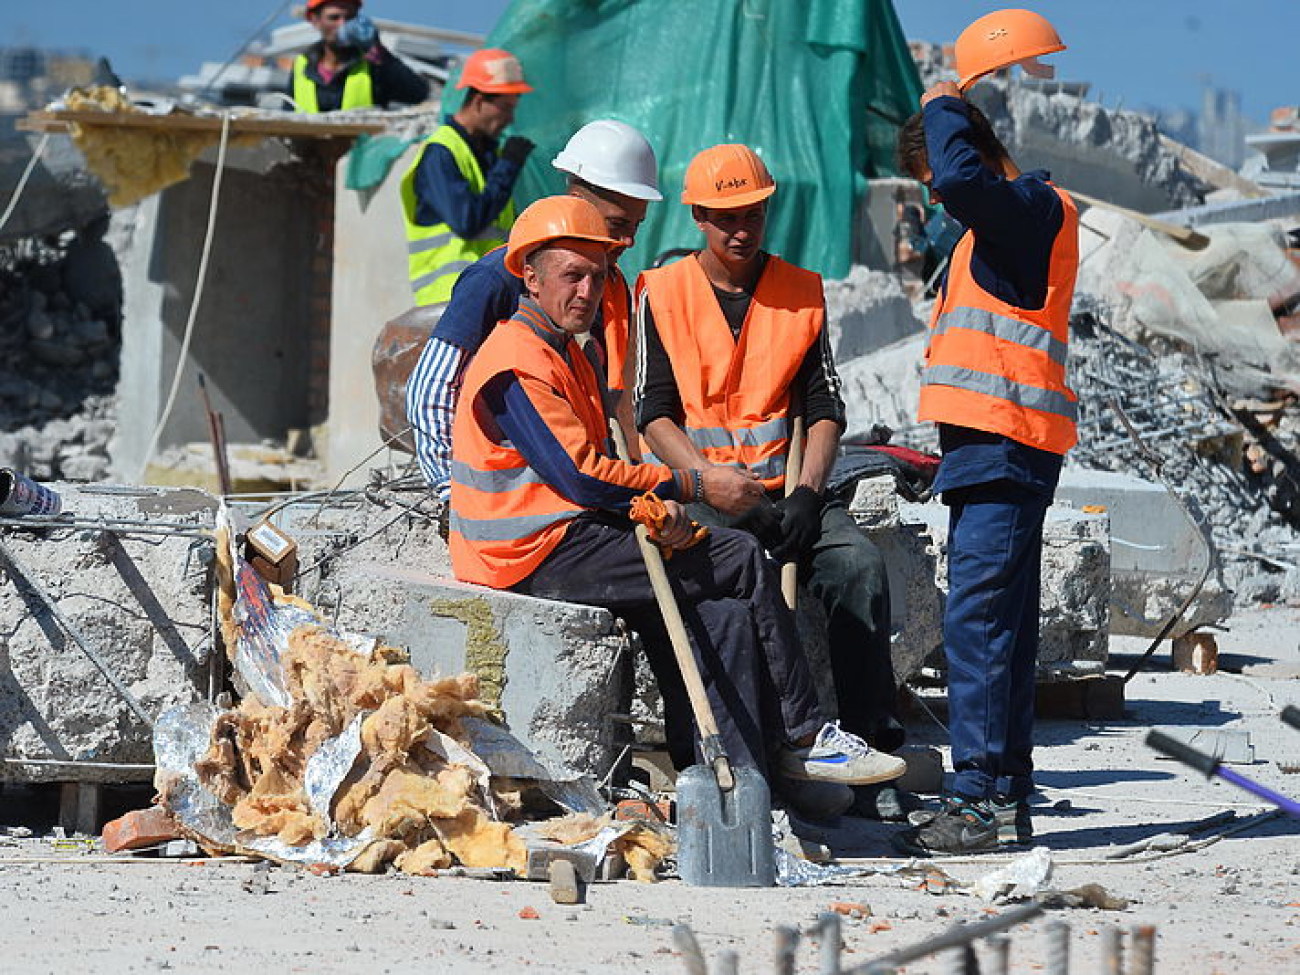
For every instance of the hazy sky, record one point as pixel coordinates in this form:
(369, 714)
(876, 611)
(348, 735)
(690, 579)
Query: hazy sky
(1144, 52)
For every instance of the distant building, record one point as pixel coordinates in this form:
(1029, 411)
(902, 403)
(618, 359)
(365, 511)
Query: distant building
(1222, 127)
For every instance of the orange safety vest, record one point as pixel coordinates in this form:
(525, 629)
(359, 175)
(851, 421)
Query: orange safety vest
(617, 313)
(736, 393)
(992, 366)
(505, 518)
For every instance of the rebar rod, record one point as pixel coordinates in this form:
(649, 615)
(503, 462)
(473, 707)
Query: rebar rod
(1058, 947)
(958, 935)
(830, 943)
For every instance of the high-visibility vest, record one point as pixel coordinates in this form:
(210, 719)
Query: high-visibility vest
(505, 518)
(435, 255)
(992, 366)
(616, 314)
(358, 87)
(736, 394)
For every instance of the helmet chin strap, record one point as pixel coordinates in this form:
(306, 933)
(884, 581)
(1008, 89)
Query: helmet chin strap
(1037, 69)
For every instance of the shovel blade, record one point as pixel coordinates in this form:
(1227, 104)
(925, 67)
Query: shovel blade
(724, 839)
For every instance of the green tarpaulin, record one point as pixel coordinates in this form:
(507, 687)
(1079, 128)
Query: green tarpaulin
(817, 87)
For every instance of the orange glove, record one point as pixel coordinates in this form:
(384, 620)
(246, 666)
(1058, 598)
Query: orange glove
(648, 510)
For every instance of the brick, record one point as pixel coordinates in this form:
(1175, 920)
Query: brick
(140, 828)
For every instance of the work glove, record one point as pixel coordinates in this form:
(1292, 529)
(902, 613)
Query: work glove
(516, 149)
(359, 32)
(762, 521)
(801, 521)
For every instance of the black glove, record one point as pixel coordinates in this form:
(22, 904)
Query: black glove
(516, 149)
(762, 521)
(801, 520)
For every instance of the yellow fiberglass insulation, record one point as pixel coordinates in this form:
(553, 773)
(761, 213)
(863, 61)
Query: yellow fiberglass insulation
(133, 162)
(426, 812)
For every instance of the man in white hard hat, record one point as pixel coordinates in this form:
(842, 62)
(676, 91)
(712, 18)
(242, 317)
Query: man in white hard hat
(610, 165)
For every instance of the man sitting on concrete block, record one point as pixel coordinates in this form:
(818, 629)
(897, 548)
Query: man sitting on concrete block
(540, 503)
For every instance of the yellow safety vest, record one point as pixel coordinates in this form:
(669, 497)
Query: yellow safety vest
(435, 255)
(358, 90)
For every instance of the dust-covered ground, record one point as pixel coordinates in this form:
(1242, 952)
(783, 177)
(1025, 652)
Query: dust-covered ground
(1230, 905)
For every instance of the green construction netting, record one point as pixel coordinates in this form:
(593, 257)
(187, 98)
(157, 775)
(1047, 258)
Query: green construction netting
(817, 87)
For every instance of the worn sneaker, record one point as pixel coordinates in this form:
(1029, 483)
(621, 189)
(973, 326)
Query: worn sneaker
(838, 756)
(962, 826)
(1015, 826)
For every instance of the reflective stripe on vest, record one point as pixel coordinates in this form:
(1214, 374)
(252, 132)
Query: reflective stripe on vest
(436, 256)
(994, 367)
(736, 393)
(358, 87)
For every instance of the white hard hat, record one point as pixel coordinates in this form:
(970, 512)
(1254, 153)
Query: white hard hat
(613, 156)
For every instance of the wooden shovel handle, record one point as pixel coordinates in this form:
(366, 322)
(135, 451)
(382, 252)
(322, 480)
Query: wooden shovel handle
(793, 466)
(667, 600)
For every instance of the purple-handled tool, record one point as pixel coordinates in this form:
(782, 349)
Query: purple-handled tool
(1211, 766)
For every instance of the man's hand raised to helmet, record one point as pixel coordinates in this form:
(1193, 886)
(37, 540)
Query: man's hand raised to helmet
(732, 490)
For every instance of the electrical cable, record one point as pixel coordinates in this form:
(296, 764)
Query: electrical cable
(198, 296)
(244, 47)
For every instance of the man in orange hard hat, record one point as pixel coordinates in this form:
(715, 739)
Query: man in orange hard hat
(540, 505)
(733, 348)
(995, 383)
(348, 67)
(456, 195)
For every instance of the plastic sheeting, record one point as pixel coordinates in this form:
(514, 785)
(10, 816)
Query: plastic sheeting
(817, 88)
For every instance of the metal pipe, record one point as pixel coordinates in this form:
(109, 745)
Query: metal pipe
(692, 957)
(958, 935)
(999, 956)
(1112, 951)
(787, 942)
(831, 942)
(1142, 953)
(1058, 947)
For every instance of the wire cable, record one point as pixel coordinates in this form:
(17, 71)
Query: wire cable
(198, 296)
(22, 181)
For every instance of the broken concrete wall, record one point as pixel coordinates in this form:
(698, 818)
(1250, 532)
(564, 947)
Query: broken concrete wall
(866, 311)
(913, 539)
(140, 601)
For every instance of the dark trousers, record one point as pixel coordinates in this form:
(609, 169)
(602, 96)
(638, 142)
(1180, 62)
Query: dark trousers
(990, 635)
(846, 573)
(742, 635)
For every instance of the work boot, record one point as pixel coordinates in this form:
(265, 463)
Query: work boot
(838, 756)
(884, 802)
(818, 801)
(961, 826)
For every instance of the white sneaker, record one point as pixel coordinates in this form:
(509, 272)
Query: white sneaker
(838, 756)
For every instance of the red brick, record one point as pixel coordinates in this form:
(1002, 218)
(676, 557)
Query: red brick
(140, 828)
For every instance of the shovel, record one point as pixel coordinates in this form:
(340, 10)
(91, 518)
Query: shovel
(724, 813)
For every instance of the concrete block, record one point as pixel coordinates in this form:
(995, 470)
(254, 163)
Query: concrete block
(141, 602)
(1156, 554)
(140, 828)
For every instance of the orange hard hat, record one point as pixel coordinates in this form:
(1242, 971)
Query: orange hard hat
(493, 71)
(725, 177)
(314, 5)
(554, 218)
(1001, 39)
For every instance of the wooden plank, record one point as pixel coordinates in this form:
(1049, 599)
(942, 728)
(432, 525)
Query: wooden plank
(290, 125)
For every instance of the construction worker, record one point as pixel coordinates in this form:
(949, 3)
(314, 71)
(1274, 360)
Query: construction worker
(734, 347)
(348, 67)
(540, 505)
(456, 195)
(610, 165)
(994, 381)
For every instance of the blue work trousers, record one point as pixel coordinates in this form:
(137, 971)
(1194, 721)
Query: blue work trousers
(990, 635)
